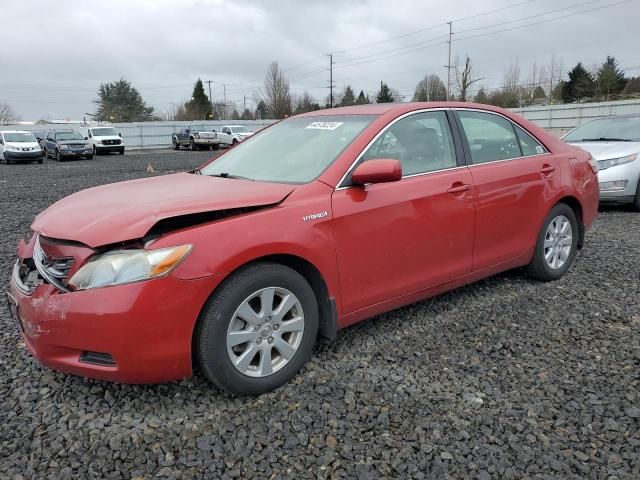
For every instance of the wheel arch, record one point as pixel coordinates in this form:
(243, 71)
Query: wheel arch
(327, 310)
(576, 206)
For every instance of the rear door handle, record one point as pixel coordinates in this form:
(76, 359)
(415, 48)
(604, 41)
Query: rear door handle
(459, 188)
(547, 169)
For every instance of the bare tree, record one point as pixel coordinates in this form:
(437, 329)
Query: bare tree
(511, 86)
(7, 114)
(305, 103)
(553, 76)
(463, 78)
(430, 89)
(277, 93)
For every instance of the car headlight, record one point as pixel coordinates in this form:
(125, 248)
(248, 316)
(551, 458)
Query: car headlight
(128, 266)
(614, 162)
(65, 147)
(99, 142)
(196, 135)
(11, 148)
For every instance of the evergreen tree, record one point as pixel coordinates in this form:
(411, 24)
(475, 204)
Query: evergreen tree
(481, 96)
(348, 97)
(610, 79)
(235, 115)
(362, 99)
(247, 115)
(539, 92)
(580, 85)
(384, 95)
(121, 102)
(262, 111)
(199, 107)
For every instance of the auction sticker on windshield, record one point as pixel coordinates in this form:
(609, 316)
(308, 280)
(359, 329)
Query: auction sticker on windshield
(324, 125)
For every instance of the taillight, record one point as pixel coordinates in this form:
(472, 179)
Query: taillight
(593, 164)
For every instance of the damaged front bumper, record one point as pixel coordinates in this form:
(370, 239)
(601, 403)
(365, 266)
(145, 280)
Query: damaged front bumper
(134, 333)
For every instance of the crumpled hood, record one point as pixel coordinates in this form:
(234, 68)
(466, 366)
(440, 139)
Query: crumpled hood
(127, 210)
(608, 150)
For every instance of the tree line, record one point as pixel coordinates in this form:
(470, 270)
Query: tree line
(121, 102)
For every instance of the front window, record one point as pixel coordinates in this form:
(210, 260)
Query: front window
(69, 136)
(421, 142)
(19, 137)
(292, 151)
(240, 129)
(620, 129)
(103, 132)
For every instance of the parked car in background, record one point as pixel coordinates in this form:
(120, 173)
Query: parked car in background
(103, 139)
(322, 220)
(196, 138)
(66, 144)
(615, 144)
(19, 146)
(232, 134)
(39, 134)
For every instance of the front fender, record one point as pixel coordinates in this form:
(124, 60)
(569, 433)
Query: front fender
(223, 246)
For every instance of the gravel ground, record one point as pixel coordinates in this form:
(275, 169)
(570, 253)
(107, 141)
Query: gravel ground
(507, 378)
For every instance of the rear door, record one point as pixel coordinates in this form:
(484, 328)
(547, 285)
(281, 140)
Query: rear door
(515, 180)
(397, 238)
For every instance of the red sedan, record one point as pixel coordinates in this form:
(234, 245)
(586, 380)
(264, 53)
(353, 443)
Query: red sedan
(311, 225)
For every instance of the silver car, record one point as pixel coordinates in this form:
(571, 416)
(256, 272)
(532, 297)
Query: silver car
(614, 142)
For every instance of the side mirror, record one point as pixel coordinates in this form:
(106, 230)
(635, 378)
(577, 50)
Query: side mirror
(86, 138)
(120, 135)
(186, 130)
(380, 170)
(1, 142)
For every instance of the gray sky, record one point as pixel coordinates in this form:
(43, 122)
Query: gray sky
(53, 55)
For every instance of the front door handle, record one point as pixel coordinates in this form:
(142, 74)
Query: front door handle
(459, 188)
(547, 169)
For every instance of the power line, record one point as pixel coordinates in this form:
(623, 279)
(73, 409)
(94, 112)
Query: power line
(543, 21)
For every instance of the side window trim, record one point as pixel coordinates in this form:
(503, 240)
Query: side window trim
(460, 161)
(465, 141)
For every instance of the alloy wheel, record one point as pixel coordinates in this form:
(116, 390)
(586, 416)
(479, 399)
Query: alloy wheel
(265, 332)
(558, 242)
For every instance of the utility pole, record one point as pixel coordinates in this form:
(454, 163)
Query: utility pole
(449, 63)
(330, 80)
(244, 103)
(210, 99)
(224, 89)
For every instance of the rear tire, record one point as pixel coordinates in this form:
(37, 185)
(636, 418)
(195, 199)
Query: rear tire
(556, 246)
(270, 335)
(216, 146)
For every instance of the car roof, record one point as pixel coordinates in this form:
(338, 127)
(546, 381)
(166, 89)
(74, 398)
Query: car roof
(16, 131)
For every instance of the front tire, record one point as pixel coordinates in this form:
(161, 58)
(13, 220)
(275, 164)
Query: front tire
(556, 246)
(58, 156)
(176, 145)
(216, 146)
(192, 145)
(257, 330)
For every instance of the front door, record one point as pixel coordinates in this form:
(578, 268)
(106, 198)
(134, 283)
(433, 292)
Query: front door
(396, 238)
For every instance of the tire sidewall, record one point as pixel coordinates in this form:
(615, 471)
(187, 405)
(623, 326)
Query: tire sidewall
(213, 325)
(554, 274)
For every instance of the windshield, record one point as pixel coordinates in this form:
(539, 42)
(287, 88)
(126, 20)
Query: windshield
(623, 129)
(69, 136)
(103, 132)
(19, 137)
(292, 151)
(240, 129)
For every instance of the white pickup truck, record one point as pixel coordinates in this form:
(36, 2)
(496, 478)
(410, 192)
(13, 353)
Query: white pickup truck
(232, 134)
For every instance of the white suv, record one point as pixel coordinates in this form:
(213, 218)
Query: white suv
(103, 139)
(18, 145)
